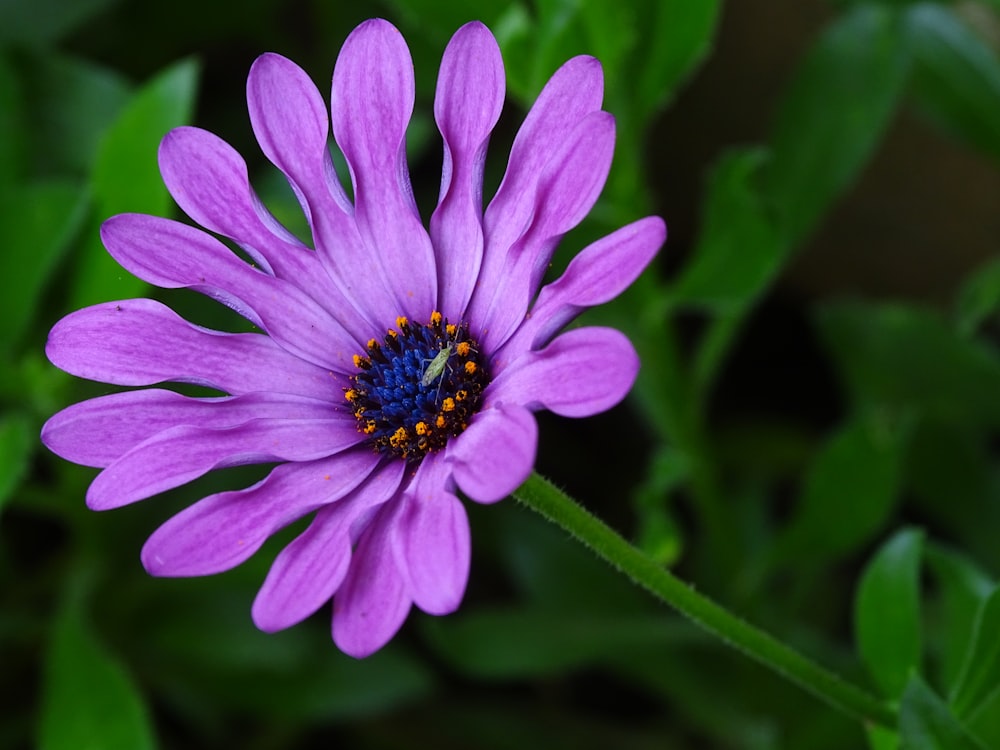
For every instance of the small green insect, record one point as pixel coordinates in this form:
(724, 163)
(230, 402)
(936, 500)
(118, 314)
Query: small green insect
(436, 368)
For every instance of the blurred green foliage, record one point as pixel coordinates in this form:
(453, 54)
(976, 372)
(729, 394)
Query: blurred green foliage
(886, 512)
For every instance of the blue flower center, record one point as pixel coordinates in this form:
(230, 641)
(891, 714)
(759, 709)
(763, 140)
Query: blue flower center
(417, 388)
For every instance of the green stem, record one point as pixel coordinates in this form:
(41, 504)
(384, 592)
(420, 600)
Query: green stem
(540, 495)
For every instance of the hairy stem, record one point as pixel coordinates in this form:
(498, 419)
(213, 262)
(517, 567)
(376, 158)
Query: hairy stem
(543, 497)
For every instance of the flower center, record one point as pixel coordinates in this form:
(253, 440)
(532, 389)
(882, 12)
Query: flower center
(418, 388)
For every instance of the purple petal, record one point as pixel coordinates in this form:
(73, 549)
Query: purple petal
(180, 454)
(209, 181)
(470, 93)
(494, 456)
(570, 183)
(142, 342)
(308, 572)
(574, 91)
(173, 255)
(100, 431)
(222, 530)
(600, 272)
(432, 539)
(372, 101)
(291, 123)
(372, 603)
(582, 372)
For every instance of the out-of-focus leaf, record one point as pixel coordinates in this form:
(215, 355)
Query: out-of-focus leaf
(676, 37)
(981, 674)
(738, 251)
(532, 643)
(850, 489)
(979, 297)
(906, 357)
(72, 103)
(89, 700)
(925, 723)
(887, 612)
(205, 655)
(836, 110)
(12, 124)
(956, 75)
(659, 535)
(16, 442)
(37, 223)
(39, 22)
(880, 738)
(441, 18)
(984, 724)
(556, 574)
(648, 48)
(961, 591)
(126, 176)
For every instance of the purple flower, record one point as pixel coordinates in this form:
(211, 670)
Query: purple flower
(396, 366)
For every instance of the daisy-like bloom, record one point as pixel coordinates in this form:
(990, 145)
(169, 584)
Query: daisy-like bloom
(396, 365)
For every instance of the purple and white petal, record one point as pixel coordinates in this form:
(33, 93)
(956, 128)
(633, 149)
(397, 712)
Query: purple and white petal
(291, 123)
(372, 99)
(372, 603)
(470, 94)
(601, 271)
(181, 454)
(143, 342)
(100, 431)
(172, 255)
(432, 539)
(221, 531)
(494, 456)
(582, 372)
(307, 573)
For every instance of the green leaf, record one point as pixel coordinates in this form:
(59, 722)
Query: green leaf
(956, 75)
(532, 643)
(72, 103)
(925, 723)
(551, 572)
(676, 37)
(13, 122)
(906, 357)
(89, 703)
(880, 738)
(40, 22)
(887, 612)
(126, 176)
(834, 114)
(659, 536)
(961, 589)
(16, 444)
(979, 298)
(738, 252)
(850, 489)
(981, 674)
(37, 223)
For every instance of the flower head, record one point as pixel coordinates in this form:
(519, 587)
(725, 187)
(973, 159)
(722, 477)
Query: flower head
(395, 366)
